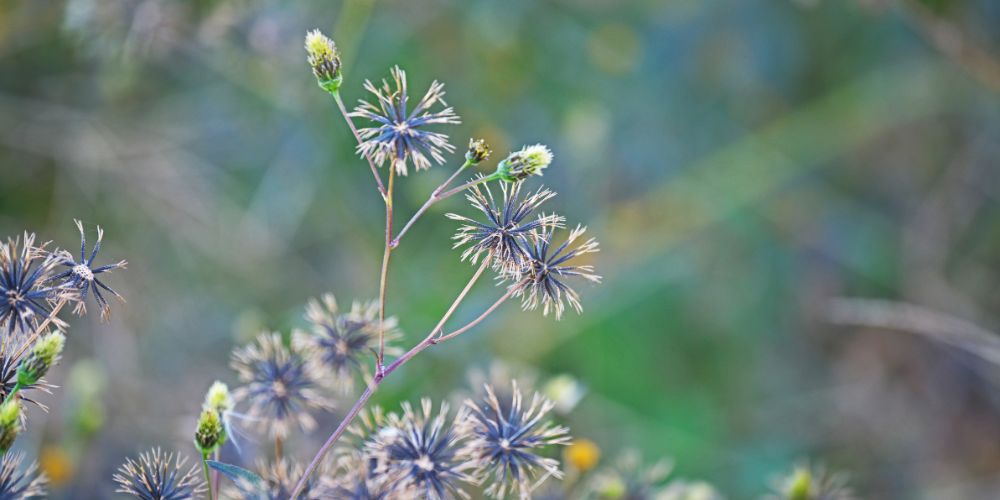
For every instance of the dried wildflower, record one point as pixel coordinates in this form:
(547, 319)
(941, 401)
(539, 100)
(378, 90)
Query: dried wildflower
(355, 480)
(506, 439)
(400, 135)
(280, 478)
(281, 387)
(20, 484)
(10, 424)
(520, 165)
(24, 298)
(503, 232)
(210, 433)
(324, 59)
(627, 477)
(545, 270)
(159, 476)
(44, 354)
(478, 151)
(423, 451)
(341, 342)
(82, 276)
(807, 482)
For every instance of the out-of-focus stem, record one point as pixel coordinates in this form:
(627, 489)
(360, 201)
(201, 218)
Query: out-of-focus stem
(41, 328)
(428, 341)
(214, 485)
(208, 477)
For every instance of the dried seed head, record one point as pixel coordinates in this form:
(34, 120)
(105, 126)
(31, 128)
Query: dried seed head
(324, 58)
(422, 450)
(507, 438)
(520, 165)
(20, 483)
(25, 296)
(81, 276)
(399, 134)
(159, 476)
(544, 279)
(280, 386)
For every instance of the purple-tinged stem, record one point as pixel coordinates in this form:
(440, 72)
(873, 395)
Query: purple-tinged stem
(434, 198)
(41, 328)
(384, 275)
(357, 136)
(379, 377)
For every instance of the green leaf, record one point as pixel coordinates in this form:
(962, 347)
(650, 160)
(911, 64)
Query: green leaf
(248, 482)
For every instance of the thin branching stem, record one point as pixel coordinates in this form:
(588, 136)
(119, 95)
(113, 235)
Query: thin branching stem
(384, 276)
(467, 185)
(432, 199)
(510, 291)
(428, 341)
(357, 136)
(40, 328)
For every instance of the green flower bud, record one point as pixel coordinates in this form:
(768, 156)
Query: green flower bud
(10, 423)
(45, 354)
(211, 434)
(478, 151)
(799, 485)
(520, 165)
(324, 58)
(218, 398)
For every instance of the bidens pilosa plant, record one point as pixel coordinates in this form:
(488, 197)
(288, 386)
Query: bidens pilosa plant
(498, 444)
(501, 441)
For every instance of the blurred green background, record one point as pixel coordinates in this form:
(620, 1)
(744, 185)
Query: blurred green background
(745, 163)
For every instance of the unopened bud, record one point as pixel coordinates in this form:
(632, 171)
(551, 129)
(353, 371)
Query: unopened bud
(10, 423)
(520, 165)
(324, 58)
(478, 151)
(218, 398)
(800, 485)
(45, 354)
(210, 434)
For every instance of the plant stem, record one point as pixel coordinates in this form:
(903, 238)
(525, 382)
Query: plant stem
(208, 477)
(434, 198)
(379, 377)
(14, 390)
(358, 405)
(384, 276)
(357, 137)
(467, 185)
(38, 331)
(214, 485)
(501, 300)
(279, 448)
